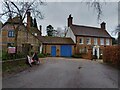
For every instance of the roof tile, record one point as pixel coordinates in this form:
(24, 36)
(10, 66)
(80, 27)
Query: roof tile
(89, 31)
(55, 40)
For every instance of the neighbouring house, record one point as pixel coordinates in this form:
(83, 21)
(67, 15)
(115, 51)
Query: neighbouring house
(57, 46)
(27, 35)
(88, 39)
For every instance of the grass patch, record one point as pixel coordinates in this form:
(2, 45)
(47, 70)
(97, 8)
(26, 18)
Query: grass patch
(15, 66)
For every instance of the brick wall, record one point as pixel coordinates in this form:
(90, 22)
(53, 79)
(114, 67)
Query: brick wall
(89, 47)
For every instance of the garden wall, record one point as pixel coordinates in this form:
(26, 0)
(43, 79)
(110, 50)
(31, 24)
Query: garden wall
(111, 54)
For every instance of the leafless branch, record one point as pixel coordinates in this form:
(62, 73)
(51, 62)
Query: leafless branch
(97, 5)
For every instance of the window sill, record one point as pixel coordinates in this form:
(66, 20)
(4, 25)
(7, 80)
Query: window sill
(81, 43)
(89, 44)
(10, 37)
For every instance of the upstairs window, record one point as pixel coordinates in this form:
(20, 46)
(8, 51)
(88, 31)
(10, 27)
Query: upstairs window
(11, 33)
(88, 41)
(107, 42)
(102, 41)
(95, 41)
(81, 41)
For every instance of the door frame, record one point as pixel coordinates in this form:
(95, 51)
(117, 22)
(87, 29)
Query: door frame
(97, 47)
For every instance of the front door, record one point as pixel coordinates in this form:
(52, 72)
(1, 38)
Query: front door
(96, 51)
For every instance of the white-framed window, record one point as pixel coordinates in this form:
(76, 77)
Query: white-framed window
(95, 41)
(88, 41)
(11, 33)
(107, 41)
(81, 41)
(101, 41)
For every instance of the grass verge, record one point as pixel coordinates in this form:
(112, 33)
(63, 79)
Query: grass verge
(12, 67)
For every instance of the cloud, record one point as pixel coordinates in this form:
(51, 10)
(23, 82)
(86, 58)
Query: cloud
(56, 14)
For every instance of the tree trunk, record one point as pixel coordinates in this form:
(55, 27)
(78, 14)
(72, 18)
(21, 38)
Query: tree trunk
(16, 35)
(118, 38)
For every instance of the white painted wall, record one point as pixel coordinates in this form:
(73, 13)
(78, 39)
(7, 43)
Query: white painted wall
(41, 46)
(71, 34)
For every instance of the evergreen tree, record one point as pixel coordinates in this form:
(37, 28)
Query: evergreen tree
(49, 30)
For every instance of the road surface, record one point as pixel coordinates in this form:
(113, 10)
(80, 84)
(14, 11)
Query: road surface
(65, 73)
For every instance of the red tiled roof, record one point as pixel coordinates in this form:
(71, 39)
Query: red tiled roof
(89, 31)
(55, 40)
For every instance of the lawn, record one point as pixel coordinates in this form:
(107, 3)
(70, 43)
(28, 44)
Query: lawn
(15, 66)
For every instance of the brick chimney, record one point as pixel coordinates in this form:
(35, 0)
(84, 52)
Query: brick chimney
(28, 20)
(70, 20)
(103, 25)
(40, 29)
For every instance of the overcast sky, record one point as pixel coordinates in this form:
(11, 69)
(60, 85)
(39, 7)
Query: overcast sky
(56, 14)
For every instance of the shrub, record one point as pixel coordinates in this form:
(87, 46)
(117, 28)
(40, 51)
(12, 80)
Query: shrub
(111, 55)
(8, 56)
(20, 55)
(40, 55)
(77, 56)
(48, 54)
(4, 55)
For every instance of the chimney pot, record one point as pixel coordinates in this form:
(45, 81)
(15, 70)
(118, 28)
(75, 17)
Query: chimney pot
(70, 20)
(103, 25)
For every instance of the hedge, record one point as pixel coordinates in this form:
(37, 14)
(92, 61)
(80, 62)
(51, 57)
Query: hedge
(111, 54)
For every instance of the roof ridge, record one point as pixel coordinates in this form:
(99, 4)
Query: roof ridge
(86, 26)
(89, 31)
(55, 37)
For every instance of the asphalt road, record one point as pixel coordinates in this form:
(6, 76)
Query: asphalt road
(65, 73)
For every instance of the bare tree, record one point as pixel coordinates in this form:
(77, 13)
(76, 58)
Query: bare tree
(117, 31)
(20, 9)
(97, 5)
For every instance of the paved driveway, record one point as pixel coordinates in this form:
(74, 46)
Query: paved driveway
(65, 73)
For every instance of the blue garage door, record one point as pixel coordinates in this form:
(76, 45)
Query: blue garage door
(53, 51)
(66, 50)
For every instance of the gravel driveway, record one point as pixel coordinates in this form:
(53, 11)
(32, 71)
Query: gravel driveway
(65, 73)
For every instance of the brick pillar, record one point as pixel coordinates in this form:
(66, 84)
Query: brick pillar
(90, 54)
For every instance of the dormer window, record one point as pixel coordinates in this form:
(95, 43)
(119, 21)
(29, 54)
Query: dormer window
(81, 41)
